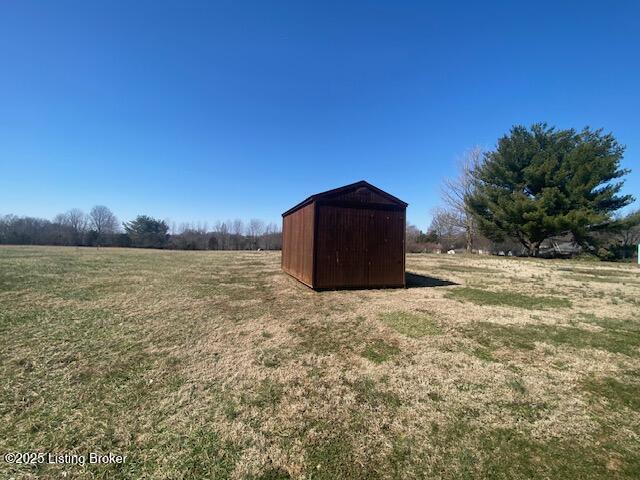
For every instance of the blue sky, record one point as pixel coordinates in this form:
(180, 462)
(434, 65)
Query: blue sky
(213, 110)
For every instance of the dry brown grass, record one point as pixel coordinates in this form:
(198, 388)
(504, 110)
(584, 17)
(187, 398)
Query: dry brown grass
(216, 364)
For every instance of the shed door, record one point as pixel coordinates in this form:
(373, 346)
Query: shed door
(359, 247)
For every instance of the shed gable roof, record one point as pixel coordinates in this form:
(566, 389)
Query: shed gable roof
(361, 191)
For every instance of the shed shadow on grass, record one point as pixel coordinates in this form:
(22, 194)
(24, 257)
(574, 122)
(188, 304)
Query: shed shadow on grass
(414, 280)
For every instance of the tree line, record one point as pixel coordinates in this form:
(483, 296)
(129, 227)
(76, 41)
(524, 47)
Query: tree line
(540, 186)
(100, 227)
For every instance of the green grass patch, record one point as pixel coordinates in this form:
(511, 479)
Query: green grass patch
(468, 269)
(617, 393)
(274, 474)
(323, 339)
(507, 299)
(204, 455)
(333, 453)
(613, 338)
(267, 395)
(410, 324)
(631, 326)
(270, 357)
(368, 392)
(517, 385)
(525, 409)
(333, 457)
(509, 453)
(598, 272)
(589, 279)
(378, 351)
(483, 354)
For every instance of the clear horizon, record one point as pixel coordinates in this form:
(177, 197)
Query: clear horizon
(233, 110)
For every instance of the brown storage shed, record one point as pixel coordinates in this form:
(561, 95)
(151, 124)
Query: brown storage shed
(349, 237)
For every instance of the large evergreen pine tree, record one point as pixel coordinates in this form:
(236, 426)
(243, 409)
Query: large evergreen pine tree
(147, 232)
(541, 182)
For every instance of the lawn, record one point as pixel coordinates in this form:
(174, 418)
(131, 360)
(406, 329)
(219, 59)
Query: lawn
(218, 365)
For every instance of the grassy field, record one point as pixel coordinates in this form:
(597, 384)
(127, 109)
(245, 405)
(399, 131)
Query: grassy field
(218, 365)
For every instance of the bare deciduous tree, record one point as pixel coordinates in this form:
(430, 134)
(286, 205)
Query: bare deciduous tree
(624, 234)
(448, 226)
(222, 229)
(237, 228)
(77, 220)
(256, 229)
(272, 237)
(103, 221)
(412, 238)
(73, 224)
(268, 231)
(457, 189)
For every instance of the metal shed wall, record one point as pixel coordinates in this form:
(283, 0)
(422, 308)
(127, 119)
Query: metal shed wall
(298, 244)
